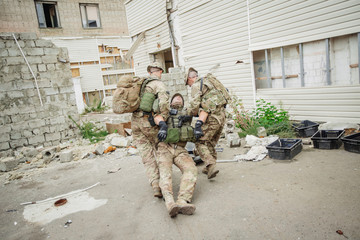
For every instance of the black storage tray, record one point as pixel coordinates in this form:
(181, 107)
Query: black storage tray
(352, 143)
(306, 128)
(327, 139)
(284, 148)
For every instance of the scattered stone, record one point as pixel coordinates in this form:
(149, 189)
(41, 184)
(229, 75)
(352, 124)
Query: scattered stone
(261, 132)
(91, 155)
(29, 152)
(84, 155)
(8, 164)
(100, 149)
(120, 141)
(128, 131)
(230, 126)
(132, 151)
(306, 141)
(233, 140)
(256, 153)
(120, 153)
(66, 156)
(49, 153)
(255, 141)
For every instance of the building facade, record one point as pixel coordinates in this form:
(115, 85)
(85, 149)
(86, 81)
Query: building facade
(302, 55)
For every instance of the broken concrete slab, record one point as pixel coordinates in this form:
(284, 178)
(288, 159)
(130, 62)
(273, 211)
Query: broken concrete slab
(8, 164)
(255, 141)
(29, 152)
(132, 151)
(100, 149)
(337, 126)
(120, 141)
(66, 156)
(256, 153)
(233, 140)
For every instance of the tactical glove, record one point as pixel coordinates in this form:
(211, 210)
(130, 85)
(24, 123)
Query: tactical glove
(162, 134)
(197, 130)
(185, 118)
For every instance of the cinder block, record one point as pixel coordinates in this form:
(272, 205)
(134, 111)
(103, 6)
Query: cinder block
(21, 43)
(15, 94)
(52, 136)
(34, 51)
(50, 91)
(18, 143)
(4, 146)
(15, 60)
(5, 128)
(15, 135)
(36, 139)
(2, 44)
(29, 152)
(50, 67)
(4, 53)
(36, 123)
(28, 36)
(66, 156)
(69, 89)
(29, 43)
(51, 51)
(42, 67)
(34, 59)
(49, 59)
(43, 43)
(4, 137)
(8, 164)
(100, 149)
(233, 140)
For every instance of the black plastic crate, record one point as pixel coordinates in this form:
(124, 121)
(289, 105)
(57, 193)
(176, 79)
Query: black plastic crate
(352, 143)
(327, 139)
(306, 128)
(284, 148)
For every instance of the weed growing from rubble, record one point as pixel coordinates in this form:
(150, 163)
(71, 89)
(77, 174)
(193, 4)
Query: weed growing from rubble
(90, 131)
(96, 107)
(275, 120)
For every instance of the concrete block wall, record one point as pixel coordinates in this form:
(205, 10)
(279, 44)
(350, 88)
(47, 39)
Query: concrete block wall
(23, 121)
(174, 81)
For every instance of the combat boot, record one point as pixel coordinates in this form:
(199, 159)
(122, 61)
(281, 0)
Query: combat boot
(172, 207)
(185, 208)
(157, 190)
(211, 171)
(205, 170)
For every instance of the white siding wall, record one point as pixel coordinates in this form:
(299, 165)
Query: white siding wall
(215, 33)
(156, 39)
(80, 50)
(282, 22)
(91, 78)
(318, 104)
(143, 15)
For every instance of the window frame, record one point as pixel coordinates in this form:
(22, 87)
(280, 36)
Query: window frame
(42, 8)
(86, 15)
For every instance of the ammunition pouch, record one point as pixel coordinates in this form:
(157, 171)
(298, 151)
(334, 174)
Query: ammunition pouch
(147, 101)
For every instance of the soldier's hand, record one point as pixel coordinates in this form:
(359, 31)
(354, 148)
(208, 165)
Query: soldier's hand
(162, 134)
(197, 130)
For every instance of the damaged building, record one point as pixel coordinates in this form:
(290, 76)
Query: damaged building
(302, 55)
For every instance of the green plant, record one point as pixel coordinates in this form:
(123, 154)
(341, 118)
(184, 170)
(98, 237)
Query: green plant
(90, 131)
(268, 115)
(96, 107)
(242, 117)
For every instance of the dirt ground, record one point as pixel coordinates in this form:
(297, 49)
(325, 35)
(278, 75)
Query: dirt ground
(309, 197)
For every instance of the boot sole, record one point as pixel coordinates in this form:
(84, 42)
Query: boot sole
(187, 210)
(158, 195)
(213, 174)
(174, 211)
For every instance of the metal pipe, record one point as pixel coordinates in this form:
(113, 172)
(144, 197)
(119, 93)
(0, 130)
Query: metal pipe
(36, 84)
(268, 74)
(302, 77)
(359, 55)
(282, 66)
(328, 76)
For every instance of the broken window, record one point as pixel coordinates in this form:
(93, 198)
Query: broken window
(327, 62)
(47, 14)
(90, 16)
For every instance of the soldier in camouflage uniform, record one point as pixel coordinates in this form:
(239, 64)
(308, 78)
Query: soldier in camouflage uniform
(146, 137)
(211, 111)
(175, 153)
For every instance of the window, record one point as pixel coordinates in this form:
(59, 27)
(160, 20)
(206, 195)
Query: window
(47, 14)
(90, 16)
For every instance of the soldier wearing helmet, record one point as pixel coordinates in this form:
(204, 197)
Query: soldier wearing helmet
(148, 122)
(207, 103)
(174, 152)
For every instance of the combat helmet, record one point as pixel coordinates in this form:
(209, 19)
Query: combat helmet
(155, 65)
(191, 69)
(175, 95)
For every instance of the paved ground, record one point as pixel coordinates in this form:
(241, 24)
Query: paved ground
(310, 197)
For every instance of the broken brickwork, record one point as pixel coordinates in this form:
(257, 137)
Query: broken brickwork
(23, 121)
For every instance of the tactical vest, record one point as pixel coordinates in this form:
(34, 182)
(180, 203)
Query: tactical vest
(149, 101)
(176, 134)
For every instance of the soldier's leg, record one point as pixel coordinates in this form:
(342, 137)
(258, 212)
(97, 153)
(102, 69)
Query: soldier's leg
(165, 162)
(147, 153)
(188, 181)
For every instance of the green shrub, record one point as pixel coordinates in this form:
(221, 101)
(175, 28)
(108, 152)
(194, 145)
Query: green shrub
(96, 107)
(268, 115)
(90, 131)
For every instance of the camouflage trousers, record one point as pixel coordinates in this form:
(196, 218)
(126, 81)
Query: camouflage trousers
(212, 129)
(145, 139)
(169, 154)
